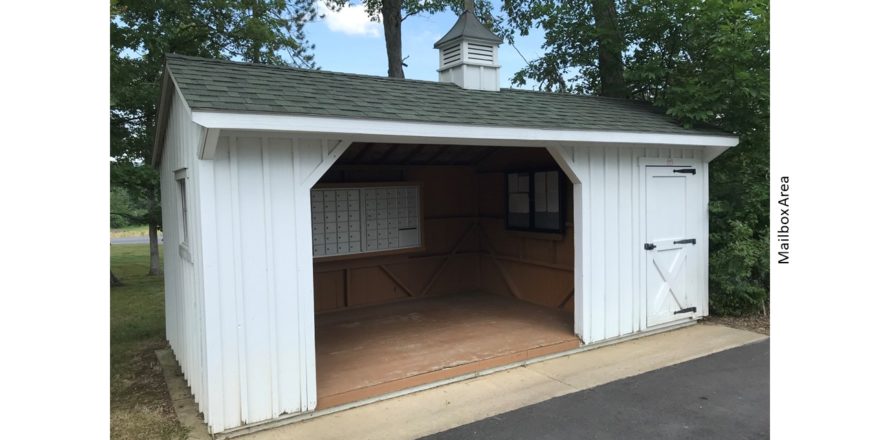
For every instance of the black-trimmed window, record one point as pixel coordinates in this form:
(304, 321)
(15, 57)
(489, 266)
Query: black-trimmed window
(535, 201)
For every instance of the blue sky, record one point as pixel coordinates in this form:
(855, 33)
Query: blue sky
(347, 41)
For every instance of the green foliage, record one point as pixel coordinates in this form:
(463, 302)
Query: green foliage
(141, 33)
(123, 210)
(570, 62)
(414, 7)
(704, 62)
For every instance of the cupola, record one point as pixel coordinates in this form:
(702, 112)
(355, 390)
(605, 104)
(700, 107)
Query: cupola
(469, 53)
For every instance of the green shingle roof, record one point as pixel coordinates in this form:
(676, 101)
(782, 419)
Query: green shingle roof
(217, 85)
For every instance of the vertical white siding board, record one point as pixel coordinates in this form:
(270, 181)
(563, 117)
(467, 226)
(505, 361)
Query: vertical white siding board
(213, 321)
(612, 243)
(574, 162)
(704, 247)
(643, 318)
(271, 310)
(197, 181)
(582, 157)
(637, 245)
(627, 246)
(238, 271)
(172, 283)
(226, 286)
(253, 245)
(284, 221)
(308, 155)
(170, 264)
(597, 241)
(581, 311)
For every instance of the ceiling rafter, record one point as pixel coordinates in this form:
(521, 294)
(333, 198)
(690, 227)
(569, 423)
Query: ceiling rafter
(391, 149)
(443, 149)
(415, 152)
(360, 154)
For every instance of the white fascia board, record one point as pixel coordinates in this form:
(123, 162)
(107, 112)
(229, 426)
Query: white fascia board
(425, 132)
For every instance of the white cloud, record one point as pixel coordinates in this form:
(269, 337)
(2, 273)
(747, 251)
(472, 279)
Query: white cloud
(350, 20)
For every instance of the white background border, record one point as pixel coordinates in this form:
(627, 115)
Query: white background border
(54, 182)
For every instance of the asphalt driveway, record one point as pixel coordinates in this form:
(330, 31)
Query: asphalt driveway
(721, 396)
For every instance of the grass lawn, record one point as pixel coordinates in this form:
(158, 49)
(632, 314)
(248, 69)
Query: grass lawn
(130, 231)
(140, 406)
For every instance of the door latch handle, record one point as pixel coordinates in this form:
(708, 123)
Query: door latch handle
(689, 240)
(650, 246)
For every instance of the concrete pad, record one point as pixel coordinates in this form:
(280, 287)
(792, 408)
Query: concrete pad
(437, 409)
(428, 411)
(613, 362)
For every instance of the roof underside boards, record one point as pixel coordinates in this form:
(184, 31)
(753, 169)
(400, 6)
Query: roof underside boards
(361, 153)
(468, 26)
(226, 86)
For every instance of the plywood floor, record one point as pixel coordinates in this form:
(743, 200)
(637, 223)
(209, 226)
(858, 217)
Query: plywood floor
(370, 351)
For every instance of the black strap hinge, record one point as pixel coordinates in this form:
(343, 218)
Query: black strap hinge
(685, 171)
(689, 240)
(687, 310)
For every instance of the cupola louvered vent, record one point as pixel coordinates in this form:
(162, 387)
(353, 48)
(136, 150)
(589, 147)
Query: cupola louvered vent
(451, 55)
(480, 53)
(469, 54)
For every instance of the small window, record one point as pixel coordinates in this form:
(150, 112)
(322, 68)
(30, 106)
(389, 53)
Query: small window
(184, 225)
(534, 201)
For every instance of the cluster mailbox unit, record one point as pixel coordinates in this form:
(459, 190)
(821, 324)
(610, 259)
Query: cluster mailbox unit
(354, 220)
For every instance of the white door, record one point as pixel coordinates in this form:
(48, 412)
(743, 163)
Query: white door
(672, 224)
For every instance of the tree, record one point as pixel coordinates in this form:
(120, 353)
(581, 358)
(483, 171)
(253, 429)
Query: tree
(123, 211)
(141, 33)
(609, 44)
(704, 62)
(392, 14)
(582, 45)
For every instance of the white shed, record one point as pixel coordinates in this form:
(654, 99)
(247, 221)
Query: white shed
(332, 237)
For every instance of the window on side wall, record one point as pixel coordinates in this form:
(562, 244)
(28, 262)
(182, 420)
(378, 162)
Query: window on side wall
(183, 230)
(534, 201)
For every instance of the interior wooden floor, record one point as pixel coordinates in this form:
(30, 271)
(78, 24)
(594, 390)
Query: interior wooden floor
(366, 352)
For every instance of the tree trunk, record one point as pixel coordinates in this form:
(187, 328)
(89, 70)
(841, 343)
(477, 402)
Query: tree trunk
(114, 281)
(154, 249)
(253, 47)
(391, 20)
(610, 49)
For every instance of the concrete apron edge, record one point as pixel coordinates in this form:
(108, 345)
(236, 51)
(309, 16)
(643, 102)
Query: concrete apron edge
(182, 401)
(285, 420)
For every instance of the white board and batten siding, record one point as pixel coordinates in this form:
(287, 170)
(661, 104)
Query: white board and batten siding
(259, 273)
(184, 301)
(239, 309)
(610, 294)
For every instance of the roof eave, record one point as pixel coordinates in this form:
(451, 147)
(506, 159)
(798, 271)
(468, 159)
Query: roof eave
(461, 134)
(163, 113)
